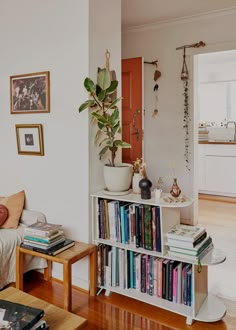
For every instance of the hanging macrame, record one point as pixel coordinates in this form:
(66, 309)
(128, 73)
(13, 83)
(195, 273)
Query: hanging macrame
(184, 72)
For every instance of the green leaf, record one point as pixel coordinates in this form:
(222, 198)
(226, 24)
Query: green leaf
(102, 152)
(112, 87)
(89, 85)
(103, 79)
(122, 144)
(101, 95)
(86, 105)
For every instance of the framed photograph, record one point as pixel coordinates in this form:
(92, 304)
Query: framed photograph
(30, 93)
(29, 139)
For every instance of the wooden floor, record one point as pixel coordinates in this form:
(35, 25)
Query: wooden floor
(119, 312)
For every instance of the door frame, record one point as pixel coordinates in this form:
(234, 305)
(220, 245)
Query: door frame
(218, 47)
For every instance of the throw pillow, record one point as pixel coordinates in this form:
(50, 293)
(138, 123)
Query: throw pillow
(14, 204)
(3, 214)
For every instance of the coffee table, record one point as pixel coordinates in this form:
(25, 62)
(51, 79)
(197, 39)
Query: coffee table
(66, 258)
(57, 318)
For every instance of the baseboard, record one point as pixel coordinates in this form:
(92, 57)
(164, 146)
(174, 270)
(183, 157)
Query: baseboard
(225, 199)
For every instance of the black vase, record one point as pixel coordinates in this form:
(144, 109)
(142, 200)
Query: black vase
(145, 186)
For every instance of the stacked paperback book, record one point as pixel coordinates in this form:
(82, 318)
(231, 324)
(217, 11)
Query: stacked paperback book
(18, 316)
(46, 238)
(188, 242)
(203, 134)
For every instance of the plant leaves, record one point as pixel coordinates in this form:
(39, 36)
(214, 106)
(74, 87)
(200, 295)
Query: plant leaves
(112, 87)
(103, 79)
(86, 105)
(89, 85)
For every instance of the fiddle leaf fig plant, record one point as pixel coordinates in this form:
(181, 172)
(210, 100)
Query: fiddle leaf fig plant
(105, 112)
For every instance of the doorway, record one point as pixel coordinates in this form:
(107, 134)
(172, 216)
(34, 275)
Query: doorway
(211, 54)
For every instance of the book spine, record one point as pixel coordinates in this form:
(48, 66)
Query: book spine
(131, 271)
(158, 229)
(137, 230)
(143, 273)
(141, 226)
(159, 277)
(106, 219)
(137, 271)
(148, 227)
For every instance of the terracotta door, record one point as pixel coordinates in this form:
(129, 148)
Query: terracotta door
(132, 105)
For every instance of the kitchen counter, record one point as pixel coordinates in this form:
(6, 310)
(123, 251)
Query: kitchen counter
(217, 142)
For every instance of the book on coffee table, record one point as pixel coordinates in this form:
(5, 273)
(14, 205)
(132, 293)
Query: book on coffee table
(53, 250)
(19, 316)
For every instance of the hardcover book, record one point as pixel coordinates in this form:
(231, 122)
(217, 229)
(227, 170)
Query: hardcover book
(42, 228)
(148, 227)
(53, 250)
(42, 245)
(185, 232)
(186, 244)
(20, 316)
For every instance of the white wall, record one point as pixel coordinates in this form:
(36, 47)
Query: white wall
(164, 138)
(54, 36)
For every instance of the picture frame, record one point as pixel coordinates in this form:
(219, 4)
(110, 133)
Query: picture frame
(29, 138)
(30, 93)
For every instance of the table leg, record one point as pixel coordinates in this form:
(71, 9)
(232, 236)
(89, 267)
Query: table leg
(67, 286)
(48, 271)
(93, 272)
(19, 269)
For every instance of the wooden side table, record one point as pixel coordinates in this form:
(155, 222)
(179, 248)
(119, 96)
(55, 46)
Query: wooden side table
(66, 258)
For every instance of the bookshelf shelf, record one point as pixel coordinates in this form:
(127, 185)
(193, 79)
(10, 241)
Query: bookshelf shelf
(199, 306)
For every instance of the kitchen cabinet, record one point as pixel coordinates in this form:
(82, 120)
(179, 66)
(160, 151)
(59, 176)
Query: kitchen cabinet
(216, 169)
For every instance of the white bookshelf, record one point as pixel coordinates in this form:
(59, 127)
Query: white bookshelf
(205, 307)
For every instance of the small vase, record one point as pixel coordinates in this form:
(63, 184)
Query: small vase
(135, 183)
(145, 186)
(175, 189)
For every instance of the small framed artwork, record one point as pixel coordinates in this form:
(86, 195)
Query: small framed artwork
(30, 93)
(29, 139)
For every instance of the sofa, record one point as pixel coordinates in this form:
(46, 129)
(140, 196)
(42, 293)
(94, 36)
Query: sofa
(9, 239)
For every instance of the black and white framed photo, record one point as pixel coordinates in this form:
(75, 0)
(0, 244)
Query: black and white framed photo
(29, 138)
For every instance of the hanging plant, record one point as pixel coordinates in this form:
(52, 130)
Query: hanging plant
(187, 121)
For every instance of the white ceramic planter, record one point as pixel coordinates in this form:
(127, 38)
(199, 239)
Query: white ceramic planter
(118, 178)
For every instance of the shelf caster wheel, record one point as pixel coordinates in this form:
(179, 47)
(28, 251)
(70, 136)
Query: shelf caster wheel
(107, 293)
(189, 321)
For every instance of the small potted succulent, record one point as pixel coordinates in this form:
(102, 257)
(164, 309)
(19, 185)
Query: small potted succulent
(105, 113)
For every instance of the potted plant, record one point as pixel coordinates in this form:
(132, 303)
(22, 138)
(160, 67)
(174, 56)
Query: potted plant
(105, 113)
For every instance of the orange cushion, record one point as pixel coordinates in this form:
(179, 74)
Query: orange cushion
(15, 205)
(3, 214)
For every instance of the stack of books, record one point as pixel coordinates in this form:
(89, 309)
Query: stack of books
(203, 134)
(188, 242)
(18, 316)
(46, 238)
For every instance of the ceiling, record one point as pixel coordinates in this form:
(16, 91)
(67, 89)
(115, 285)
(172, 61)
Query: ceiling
(145, 12)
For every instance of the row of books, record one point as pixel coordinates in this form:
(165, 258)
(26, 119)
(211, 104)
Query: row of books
(46, 238)
(130, 223)
(188, 242)
(19, 316)
(155, 276)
